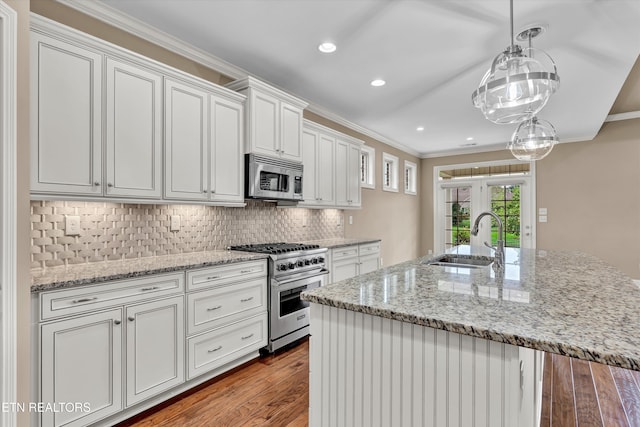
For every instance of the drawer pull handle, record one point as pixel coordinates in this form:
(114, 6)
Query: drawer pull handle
(302, 316)
(247, 337)
(213, 277)
(152, 288)
(246, 271)
(246, 299)
(215, 349)
(81, 300)
(214, 308)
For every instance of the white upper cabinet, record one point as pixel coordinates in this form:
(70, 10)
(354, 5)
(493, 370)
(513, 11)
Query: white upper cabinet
(66, 117)
(226, 160)
(109, 123)
(273, 120)
(203, 145)
(133, 131)
(347, 164)
(186, 142)
(318, 147)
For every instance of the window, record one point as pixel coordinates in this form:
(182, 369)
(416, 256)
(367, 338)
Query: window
(367, 167)
(410, 174)
(389, 172)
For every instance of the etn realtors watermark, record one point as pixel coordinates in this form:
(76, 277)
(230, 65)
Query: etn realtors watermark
(56, 407)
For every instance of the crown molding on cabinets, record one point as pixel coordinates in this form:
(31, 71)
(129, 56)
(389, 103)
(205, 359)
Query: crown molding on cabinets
(8, 190)
(147, 32)
(151, 34)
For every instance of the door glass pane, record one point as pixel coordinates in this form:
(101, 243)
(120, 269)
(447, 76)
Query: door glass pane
(457, 219)
(505, 201)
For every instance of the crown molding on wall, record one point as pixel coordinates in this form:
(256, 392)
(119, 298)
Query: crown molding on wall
(622, 116)
(151, 34)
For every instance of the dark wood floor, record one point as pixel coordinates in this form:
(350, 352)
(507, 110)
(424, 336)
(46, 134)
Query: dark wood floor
(578, 393)
(273, 391)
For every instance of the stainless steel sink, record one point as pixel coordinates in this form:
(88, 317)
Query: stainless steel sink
(464, 261)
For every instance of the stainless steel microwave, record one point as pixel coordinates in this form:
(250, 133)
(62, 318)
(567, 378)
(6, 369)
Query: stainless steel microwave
(272, 179)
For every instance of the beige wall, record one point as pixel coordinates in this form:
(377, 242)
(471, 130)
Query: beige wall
(393, 217)
(22, 209)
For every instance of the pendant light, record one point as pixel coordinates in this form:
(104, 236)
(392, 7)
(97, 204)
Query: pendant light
(533, 139)
(517, 86)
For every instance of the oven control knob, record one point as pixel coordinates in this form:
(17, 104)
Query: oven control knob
(320, 259)
(300, 263)
(307, 261)
(291, 266)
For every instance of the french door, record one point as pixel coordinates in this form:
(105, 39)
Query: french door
(459, 201)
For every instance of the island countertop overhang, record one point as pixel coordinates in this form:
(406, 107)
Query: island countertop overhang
(568, 303)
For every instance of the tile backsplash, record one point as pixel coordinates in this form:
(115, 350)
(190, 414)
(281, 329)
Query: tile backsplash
(116, 231)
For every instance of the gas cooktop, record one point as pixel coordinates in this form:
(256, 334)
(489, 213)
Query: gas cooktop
(274, 248)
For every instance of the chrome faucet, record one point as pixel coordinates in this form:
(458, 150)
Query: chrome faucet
(499, 249)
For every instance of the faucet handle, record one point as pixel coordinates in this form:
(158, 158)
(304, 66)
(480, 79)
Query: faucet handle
(489, 246)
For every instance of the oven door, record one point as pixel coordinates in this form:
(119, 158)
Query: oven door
(288, 312)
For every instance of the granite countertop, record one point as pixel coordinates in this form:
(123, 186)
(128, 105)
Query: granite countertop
(46, 279)
(340, 242)
(568, 303)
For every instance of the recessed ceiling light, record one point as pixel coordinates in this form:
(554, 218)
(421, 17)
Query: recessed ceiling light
(327, 47)
(378, 82)
(420, 128)
(470, 138)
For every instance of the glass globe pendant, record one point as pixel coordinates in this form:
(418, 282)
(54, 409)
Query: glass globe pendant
(517, 86)
(533, 139)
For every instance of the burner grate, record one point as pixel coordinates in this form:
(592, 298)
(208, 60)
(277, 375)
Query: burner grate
(274, 248)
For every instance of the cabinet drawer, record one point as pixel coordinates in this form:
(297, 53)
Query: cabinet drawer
(106, 294)
(225, 274)
(342, 253)
(213, 349)
(225, 304)
(370, 249)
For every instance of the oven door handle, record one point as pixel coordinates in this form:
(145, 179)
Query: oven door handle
(298, 277)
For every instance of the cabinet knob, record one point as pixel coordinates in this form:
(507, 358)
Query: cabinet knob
(131, 318)
(116, 322)
(96, 184)
(109, 185)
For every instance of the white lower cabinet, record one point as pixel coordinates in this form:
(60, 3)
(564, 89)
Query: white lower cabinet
(82, 362)
(113, 349)
(351, 261)
(155, 348)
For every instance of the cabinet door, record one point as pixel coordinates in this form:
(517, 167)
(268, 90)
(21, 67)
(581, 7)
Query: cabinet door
(369, 263)
(264, 124)
(155, 348)
(186, 145)
(290, 132)
(353, 176)
(309, 162)
(326, 147)
(341, 173)
(344, 269)
(226, 151)
(134, 131)
(81, 361)
(66, 126)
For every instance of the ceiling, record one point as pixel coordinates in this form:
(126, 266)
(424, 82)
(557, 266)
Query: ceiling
(432, 54)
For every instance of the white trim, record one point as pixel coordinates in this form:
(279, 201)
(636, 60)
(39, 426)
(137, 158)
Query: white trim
(371, 164)
(413, 172)
(637, 282)
(393, 179)
(8, 262)
(622, 116)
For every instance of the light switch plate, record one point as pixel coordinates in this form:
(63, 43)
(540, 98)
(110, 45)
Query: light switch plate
(175, 223)
(542, 211)
(71, 225)
(542, 218)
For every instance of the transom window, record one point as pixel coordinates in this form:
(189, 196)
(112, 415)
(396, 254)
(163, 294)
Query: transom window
(367, 167)
(389, 172)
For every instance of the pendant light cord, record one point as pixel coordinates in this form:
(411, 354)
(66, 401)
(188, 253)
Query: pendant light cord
(511, 19)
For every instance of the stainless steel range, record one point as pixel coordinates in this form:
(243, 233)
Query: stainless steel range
(293, 269)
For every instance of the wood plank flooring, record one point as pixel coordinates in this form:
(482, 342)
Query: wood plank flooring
(576, 393)
(274, 391)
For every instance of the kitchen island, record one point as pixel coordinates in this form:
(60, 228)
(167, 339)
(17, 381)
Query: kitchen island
(419, 344)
